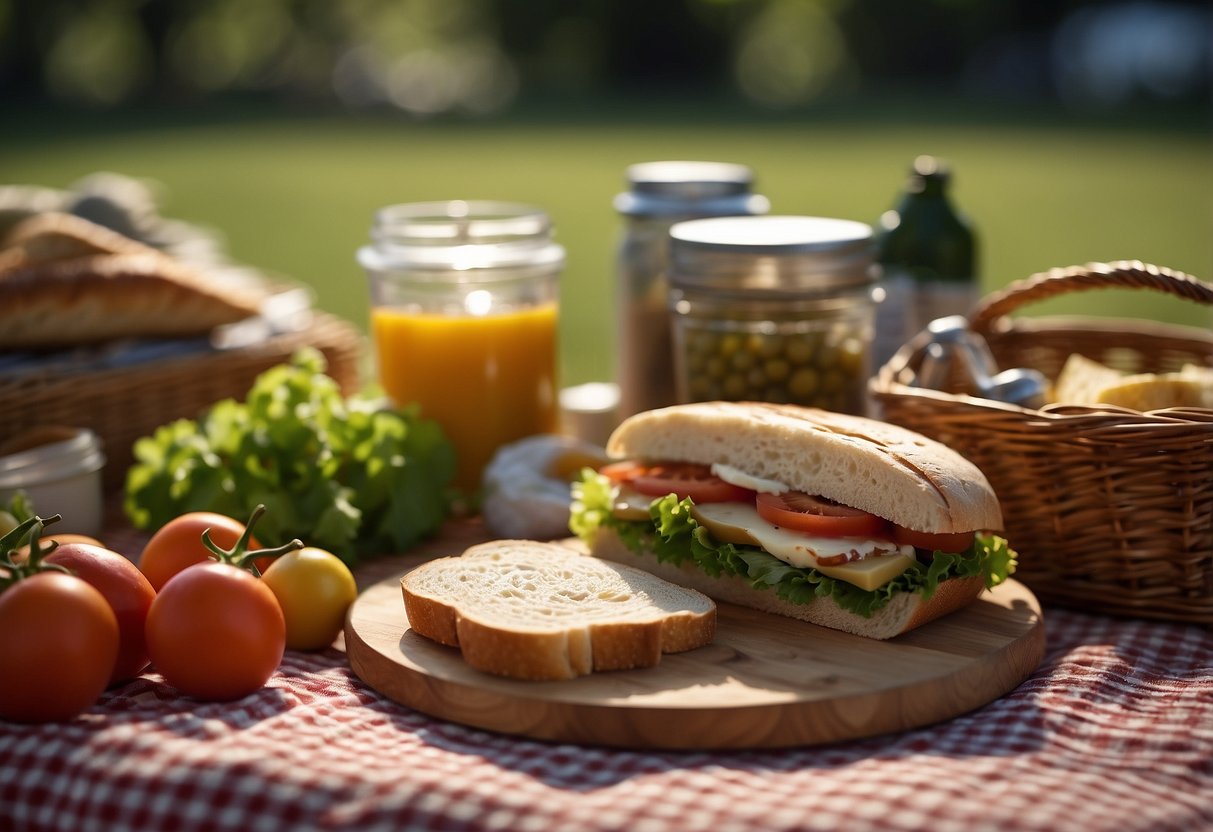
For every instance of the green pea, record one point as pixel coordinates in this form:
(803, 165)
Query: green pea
(799, 350)
(728, 344)
(700, 388)
(742, 360)
(850, 357)
(733, 386)
(803, 383)
(777, 369)
(765, 344)
(832, 380)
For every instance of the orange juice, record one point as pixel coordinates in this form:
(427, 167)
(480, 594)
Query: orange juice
(487, 379)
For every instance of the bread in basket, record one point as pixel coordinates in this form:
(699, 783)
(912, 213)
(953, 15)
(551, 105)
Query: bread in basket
(1110, 509)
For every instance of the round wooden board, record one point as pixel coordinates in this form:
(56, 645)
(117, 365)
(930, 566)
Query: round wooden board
(766, 681)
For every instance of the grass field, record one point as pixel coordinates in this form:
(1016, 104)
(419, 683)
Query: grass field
(295, 194)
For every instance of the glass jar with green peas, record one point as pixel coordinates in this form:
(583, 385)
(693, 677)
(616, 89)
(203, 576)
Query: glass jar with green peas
(774, 309)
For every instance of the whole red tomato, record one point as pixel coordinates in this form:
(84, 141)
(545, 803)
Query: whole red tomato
(215, 632)
(128, 592)
(58, 643)
(178, 544)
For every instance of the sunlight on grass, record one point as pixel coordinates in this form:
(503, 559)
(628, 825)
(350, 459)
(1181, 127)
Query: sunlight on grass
(296, 196)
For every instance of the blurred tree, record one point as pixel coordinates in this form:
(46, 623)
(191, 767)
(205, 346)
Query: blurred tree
(476, 56)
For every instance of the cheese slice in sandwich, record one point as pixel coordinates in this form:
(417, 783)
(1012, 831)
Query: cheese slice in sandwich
(915, 544)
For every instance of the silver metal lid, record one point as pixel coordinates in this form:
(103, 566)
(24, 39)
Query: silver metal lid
(690, 189)
(772, 254)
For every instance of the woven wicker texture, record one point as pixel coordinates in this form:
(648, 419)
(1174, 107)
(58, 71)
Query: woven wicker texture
(1111, 510)
(122, 405)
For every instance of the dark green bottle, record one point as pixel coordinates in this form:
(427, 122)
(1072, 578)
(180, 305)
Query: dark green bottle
(928, 256)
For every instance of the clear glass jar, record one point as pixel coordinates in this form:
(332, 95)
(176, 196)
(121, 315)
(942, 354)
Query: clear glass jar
(464, 299)
(661, 194)
(773, 309)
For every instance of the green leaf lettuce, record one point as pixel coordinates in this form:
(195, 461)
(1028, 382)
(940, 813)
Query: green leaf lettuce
(673, 536)
(343, 475)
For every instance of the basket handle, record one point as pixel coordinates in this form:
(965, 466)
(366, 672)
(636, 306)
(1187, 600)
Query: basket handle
(1124, 274)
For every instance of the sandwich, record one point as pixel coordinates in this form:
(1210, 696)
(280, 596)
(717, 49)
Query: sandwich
(837, 520)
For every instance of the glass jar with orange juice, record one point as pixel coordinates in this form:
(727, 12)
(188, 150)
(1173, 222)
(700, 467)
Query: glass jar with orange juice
(464, 299)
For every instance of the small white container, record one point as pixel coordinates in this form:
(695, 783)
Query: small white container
(61, 474)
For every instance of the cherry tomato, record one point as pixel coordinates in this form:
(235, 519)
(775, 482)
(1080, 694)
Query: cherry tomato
(66, 537)
(685, 479)
(215, 632)
(58, 643)
(315, 589)
(178, 544)
(128, 592)
(958, 542)
(817, 515)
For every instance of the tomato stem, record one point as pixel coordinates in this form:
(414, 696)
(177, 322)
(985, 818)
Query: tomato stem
(37, 551)
(240, 555)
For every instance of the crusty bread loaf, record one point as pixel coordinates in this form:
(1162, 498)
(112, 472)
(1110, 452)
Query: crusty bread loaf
(54, 236)
(532, 610)
(902, 614)
(90, 299)
(883, 469)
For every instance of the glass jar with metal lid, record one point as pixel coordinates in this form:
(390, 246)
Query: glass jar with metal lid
(464, 298)
(772, 308)
(661, 194)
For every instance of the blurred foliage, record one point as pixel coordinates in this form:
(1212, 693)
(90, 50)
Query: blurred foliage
(477, 57)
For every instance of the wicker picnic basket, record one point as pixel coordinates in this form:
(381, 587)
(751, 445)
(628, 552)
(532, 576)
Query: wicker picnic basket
(1110, 510)
(122, 404)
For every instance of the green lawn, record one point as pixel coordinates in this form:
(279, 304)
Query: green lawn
(295, 195)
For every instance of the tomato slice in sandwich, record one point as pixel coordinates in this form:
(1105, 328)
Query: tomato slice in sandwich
(685, 479)
(816, 515)
(958, 542)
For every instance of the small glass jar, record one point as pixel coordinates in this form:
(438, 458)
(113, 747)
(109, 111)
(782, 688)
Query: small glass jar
(464, 302)
(661, 194)
(773, 309)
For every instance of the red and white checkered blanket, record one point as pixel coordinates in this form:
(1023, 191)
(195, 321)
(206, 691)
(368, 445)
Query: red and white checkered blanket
(1113, 732)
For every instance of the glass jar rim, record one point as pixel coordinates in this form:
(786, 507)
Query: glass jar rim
(459, 222)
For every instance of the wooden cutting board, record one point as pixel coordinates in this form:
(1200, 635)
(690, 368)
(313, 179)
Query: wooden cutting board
(766, 681)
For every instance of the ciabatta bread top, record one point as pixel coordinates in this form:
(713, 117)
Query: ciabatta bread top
(534, 610)
(884, 469)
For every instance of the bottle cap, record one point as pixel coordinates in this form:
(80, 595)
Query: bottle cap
(689, 189)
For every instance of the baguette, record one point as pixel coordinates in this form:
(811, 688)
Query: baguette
(53, 237)
(100, 297)
(541, 611)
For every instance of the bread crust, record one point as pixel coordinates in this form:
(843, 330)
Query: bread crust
(881, 468)
(609, 635)
(902, 614)
(53, 236)
(95, 298)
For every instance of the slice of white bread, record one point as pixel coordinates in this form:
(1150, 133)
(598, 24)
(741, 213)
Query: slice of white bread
(902, 614)
(541, 611)
(883, 469)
